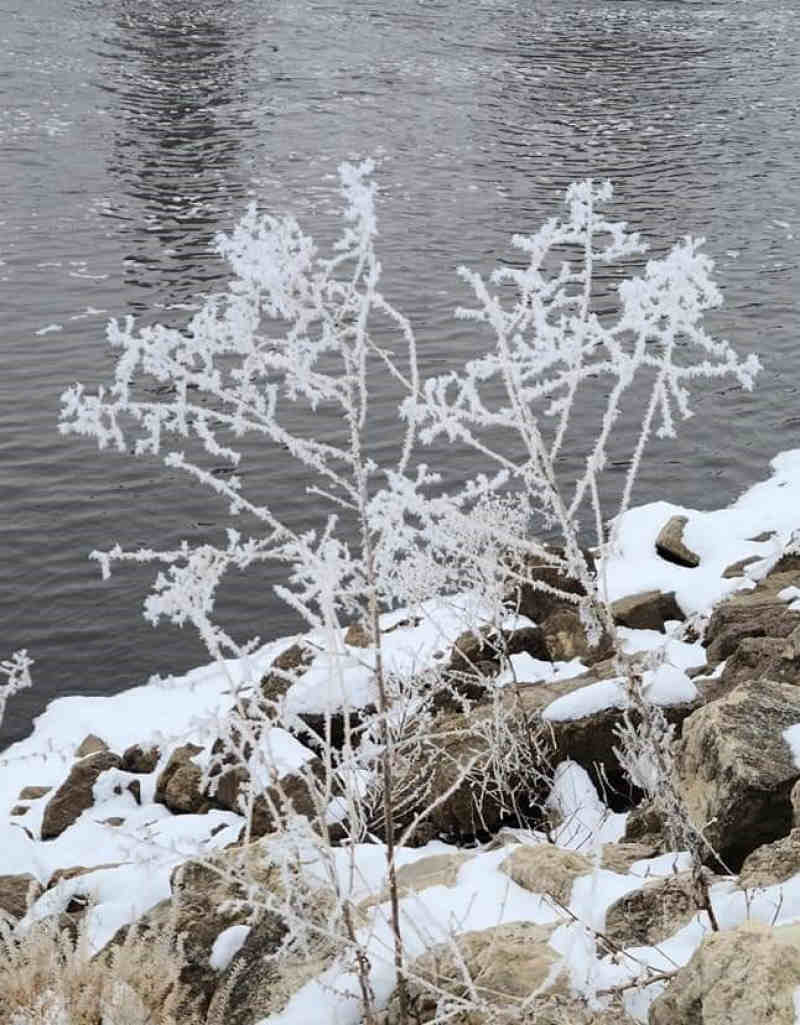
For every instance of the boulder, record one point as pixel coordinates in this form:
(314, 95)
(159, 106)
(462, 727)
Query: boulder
(546, 869)
(772, 862)
(670, 544)
(647, 610)
(17, 893)
(650, 915)
(736, 569)
(735, 772)
(507, 964)
(75, 794)
(644, 826)
(744, 976)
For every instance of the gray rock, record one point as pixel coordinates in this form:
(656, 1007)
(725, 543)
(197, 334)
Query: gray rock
(75, 795)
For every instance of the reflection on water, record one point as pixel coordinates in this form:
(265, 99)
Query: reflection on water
(133, 132)
(176, 78)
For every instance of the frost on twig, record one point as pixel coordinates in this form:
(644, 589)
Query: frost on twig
(17, 673)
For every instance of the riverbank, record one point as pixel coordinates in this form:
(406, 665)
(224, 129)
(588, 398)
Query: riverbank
(108, 796)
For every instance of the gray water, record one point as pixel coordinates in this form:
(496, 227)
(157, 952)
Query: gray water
(132, 132)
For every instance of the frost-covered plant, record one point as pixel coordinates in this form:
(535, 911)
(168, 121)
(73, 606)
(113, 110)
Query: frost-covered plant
(514, 405)
(298, 331)
(17, 673)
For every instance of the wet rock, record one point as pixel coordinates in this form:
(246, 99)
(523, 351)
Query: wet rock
(670, 544)
(735, 772)
(75, 794)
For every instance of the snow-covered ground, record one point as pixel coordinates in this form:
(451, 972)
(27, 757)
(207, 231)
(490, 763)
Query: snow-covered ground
(151, 841)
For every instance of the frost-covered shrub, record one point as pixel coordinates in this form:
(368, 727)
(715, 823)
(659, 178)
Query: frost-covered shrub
(298, 330)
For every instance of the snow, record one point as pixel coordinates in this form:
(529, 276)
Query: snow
(229, 942)
(666, 685)
(792, 737)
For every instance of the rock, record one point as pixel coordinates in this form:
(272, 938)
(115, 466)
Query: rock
(565, 638)
(546, 869)
(17, 893)
(507, 964)
(140, 759)
(255, 986)
(358, 636)
(744, 976)
(645, 826)
(619, 857)
(531, 598)
(75, 795)
(288, 667)
(794, 797)
(648, 610)
(180, 783)
(736, 569)
(765, 535)
(735, 772)
(670, 545)
(650, 915)
(435, 870)
(33, 793)
(19, 809)
(773, 862)
(74, 871)
(756, 613)
(295, 790)
(90, 745)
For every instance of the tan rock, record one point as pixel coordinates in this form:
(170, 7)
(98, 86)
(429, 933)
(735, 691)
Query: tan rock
(619, 857)
(648, 610)
(735, 772)
(547, 869)
(141, 759)
(17, 893)
(652, 914)
(33, 793)
(507, 963)
(90, 745)
(772, 863)
(744, 976)
(180, 783)
(670, 544)
(435, 870)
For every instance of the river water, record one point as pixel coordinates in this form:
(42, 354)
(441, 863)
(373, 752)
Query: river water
(132, 131)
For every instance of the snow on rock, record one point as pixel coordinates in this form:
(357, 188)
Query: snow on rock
(229, 942)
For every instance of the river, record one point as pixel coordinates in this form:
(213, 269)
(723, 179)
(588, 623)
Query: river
(132, 132)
